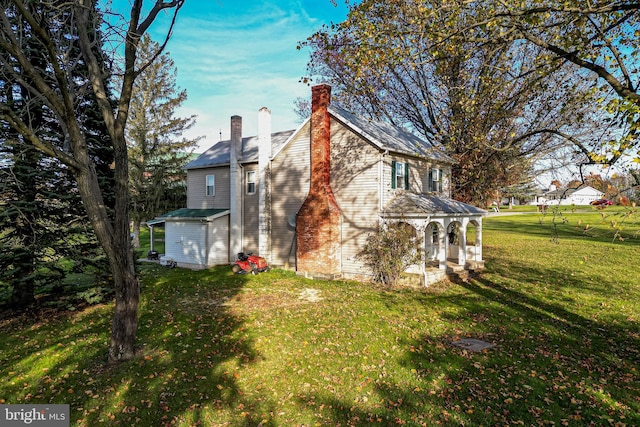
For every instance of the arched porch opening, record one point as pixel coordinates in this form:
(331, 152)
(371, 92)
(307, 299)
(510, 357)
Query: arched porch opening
(405, 230)
(474, 244)
(434, 245)
(455, 242)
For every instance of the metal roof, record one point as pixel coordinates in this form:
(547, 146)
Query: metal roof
(412, 204)
(383, 135)
(219, 153)
(193, 214)
(389, 137)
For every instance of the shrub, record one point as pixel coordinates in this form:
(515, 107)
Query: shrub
(390, 250)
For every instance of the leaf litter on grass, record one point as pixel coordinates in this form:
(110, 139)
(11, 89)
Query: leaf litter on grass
(218, 349)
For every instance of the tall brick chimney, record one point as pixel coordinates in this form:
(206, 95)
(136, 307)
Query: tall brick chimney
(319, 221)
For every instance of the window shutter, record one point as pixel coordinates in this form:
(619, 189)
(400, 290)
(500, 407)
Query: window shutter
(440, 180)
(393, 174)
(406, 176)
(430, 180)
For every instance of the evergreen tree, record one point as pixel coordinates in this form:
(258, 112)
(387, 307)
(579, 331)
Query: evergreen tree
(44, 230)
(157, 149)
(58, 27)
(483, 103)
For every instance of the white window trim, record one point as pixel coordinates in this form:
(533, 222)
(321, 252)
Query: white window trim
(255, 184)
(400, 166)
(213, 185)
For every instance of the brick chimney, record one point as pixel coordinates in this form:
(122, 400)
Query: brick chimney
(319, 222)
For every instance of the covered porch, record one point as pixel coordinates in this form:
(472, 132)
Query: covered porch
(449, 233)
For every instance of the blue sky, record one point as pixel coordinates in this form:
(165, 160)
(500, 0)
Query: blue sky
(237, 56)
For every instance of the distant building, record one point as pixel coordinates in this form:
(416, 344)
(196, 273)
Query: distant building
(570, 196)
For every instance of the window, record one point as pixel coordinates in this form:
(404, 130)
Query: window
(211, 185)
(399, 175)
(251, 182)
(435, 180)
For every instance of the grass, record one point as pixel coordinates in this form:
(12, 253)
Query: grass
(560, 303)
(145, 240)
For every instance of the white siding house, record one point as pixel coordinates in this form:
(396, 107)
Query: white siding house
(571, 196)
(250, 193)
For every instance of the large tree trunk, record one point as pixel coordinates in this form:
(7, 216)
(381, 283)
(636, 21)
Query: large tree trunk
(125, 318)
(56, 85)
(114, 238)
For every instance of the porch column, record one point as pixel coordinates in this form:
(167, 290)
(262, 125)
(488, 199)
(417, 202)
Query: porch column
(443, 245)
(151, 237)
(462, 242)
(479, 240)
(421, 228)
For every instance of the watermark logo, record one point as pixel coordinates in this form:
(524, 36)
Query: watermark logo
(34, 415)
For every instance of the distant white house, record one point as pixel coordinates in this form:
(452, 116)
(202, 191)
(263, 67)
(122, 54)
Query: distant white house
(570, 196)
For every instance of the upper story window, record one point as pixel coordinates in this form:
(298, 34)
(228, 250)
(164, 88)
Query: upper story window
(435, 180)
(211, 185)
(399, 175)
(251, 182)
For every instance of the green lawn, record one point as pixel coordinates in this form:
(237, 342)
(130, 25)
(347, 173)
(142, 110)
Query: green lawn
(560, 301)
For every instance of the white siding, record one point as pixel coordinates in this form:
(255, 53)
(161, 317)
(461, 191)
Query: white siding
(418, 176)
(356, 185)
(218, 236)
(185, 242)
(196, 188)
(196, 243)
(289, 188)
(250, 212)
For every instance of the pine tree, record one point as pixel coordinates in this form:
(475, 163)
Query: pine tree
(44, 230)
(157, 149)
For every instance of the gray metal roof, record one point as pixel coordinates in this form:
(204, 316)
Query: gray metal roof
(218, 154)
(383, 135)
(412, 204)
(389, 137)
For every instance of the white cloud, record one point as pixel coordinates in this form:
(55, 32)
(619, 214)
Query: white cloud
(237, 57)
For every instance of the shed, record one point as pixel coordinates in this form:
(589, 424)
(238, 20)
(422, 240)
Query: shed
(196, 238)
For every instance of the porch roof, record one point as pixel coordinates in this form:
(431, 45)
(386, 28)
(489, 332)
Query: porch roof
(189, 214)
(412, 204)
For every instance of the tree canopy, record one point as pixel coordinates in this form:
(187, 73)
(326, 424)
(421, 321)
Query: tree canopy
(597, 39)
(471, 77)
